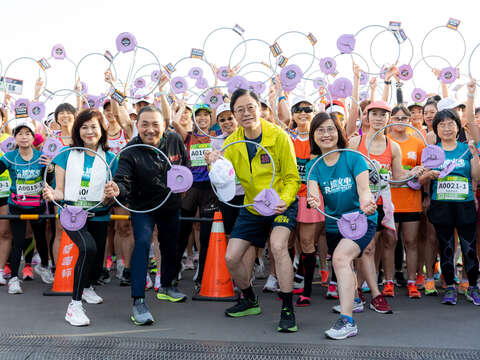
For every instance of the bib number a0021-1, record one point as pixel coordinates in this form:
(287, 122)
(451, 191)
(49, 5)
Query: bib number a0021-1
(452, 188)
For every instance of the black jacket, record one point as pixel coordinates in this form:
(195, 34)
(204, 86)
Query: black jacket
(142, 173)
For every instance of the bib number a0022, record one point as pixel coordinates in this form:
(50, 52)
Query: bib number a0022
(197, 154)
(30, 187)
(452, 188)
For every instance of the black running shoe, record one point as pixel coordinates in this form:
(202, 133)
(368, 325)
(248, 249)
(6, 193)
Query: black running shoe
(287, 321)
(125, 280)
(244, 307)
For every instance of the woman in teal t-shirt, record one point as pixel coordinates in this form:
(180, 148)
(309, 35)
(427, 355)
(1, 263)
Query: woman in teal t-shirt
(343, 180)
(452, 205)
(80, 181)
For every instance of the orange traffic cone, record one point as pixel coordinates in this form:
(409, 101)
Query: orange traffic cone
(216, 281)
(67, 258)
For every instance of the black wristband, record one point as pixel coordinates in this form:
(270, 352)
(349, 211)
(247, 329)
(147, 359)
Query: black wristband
(387, 82)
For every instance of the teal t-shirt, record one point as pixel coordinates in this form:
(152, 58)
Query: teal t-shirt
(456, 186)
(338, 186)
(26, 178)
(61, 160)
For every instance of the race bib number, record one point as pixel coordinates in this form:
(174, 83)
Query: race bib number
(301, 167)
(82, 196)
(197, 154)
(4, 187)
(30, 187)
(452, 188)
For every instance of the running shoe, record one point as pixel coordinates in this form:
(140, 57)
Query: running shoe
(105, 277)
(287, 321)
(324, 277)
(342, 329)
(196, 256)
(260, 270)
(36, 259)
(27, 272)
(7, 271)
(90, 296)
(3, 281)
(45, 274)
(148, 282)
(188, 263)
(76, 314)
(109, 263)
(450, 296)
(388, 289)
(380, 305)
(298, 291)
(171, 294)
(400, 279)
(420, 282)
(244, 307)
(332, 292)
(362, 297)
(430, 289)
(463, 287)
(125, 279)
(141, 313)
(157, 285)
(365, 287)
(120, 268)
(303, 301)
(438, 270)
(14, 286)
(298, 283)
(357, 307)
(271, 285)
(473, 295)
(413, 292)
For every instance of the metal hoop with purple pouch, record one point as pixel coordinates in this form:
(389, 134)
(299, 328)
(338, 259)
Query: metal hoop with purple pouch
(179, 178)
(73, 218)
(267, 199)
(352, 225)
(39, 63)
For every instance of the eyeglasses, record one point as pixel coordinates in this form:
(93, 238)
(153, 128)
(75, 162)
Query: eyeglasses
(328, 130)
(400, 118)
(305, 109)
(445, 124)
(251, 108)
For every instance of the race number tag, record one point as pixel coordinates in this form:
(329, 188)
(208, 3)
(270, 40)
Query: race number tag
(275, 49)
(453, 23)
(452, 188)
(118, 96)
(301, 167)
(4, 187)
(282, 61)
(82, 196)
(30, 187)
(197, 154)
(196, 54)
(43, 63)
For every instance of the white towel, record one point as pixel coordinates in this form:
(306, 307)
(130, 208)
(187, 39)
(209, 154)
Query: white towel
(73, 176)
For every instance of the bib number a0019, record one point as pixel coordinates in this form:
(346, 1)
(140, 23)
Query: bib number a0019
(30, 187)
(197, 154)
(452, 188)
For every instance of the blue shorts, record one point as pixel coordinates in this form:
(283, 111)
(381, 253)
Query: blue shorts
(256, 228)
(334, 238)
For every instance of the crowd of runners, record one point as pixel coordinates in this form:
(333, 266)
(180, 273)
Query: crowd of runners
(421, 221)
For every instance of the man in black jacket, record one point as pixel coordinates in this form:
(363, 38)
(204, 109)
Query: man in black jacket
(141, 182)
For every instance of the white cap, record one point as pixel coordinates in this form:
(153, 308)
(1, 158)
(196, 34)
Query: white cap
(336, 108)
(131, 111)
(222, 176)
(300, 99)
(222, 108)
(25, 123)
(448, 103)
(142, 95)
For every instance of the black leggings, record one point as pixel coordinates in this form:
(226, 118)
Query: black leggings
(18, 228)
(90, 241)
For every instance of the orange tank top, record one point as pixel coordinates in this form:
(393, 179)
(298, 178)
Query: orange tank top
(302, 153)
(384, 162)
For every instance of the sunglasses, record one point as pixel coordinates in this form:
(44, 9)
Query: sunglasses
(305, 109)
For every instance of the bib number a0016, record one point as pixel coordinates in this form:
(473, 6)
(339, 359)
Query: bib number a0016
(30, 187)
(452, 188)
(197, 154)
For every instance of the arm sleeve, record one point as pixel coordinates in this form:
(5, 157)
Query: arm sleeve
(289, 170)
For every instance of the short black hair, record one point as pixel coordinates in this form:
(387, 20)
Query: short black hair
(398, 108)
(64, 107)
(83, 117)
(240, 92)
(446, 114)
(149, 108)
(429, 103)
(477, 110)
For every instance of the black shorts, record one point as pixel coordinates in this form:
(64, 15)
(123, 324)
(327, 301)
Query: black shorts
(407, 217)
(452, 213)
(200, 196)
(381, 215)
(256, 228)
(230, 213)
(334, 238)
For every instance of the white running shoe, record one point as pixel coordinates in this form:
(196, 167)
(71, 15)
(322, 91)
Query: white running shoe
(188, 263)
(260, 270)
(36, 259)
(120, 268)
(342, 329)
(90, 296)
(157, 285)
(3, 281)
(271, 285)
(76, 314)
(149, 283)
(14, 286)
(45, 274)
(357, 307)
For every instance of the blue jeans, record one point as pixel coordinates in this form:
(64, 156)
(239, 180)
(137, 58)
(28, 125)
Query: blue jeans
(168, 224)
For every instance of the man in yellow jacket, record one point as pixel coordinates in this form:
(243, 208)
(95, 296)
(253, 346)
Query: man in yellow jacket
(254, 170)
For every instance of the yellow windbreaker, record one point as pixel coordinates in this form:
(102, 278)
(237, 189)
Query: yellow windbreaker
(257, 176)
